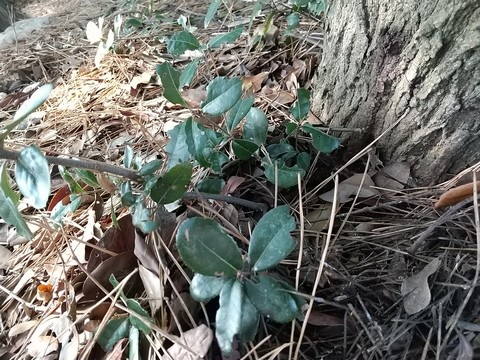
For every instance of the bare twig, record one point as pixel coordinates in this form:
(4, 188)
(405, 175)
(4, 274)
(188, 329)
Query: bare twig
(228, 199)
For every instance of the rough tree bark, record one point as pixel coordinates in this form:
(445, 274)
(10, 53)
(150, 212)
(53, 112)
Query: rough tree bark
(385, 58)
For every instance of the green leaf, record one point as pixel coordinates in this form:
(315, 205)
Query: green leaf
(198, 142)
(244, 149)
(188, 73)
(293, 20)
(135, 306)
(33, 176)
(283, 151)
(177, 148)
(250, 321)
(173, 184)
(217, 159)
(28, 107)
(181, 42)
(8, 206)
(128, 157)
(73, 185)
(59, 211)
(141, 217)
(204, 288)
(170, 82)
(321, 141)
(301, 107)
(221, 39)
(126, 194)
(229, 315)
(271, 299)
(290, 127)
(207, 249)
(211, 185)
(303, 161)
(271, 241)
(238, 112)
(211, 11)
(222, 95)
(87, 177)
(113, 332)
(256, 126)
(287, 176)
(150, 167)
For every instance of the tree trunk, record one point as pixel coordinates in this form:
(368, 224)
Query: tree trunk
(383, 59)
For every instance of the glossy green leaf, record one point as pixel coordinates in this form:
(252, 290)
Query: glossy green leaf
(255, 127)
(204, 288)
(177, 148)
(229, 37)
(126, 194)
(250, 321)
(283, 151)
(211, 185)
(293, 20)
(173, 184)
(60, 210)
(113, 332)
(301, 107)
(188, 73)
(170, 82)
(150, 167)
(222, 95)
(181, 42)
(8, 206)
(238, 112)
(73, 185)
(244, 149)
(271, 299)
(271, 241)
(198, 142)
(135, 306)
(211, 11)
(33, 176)
(207, 249)
(87, 177)
(141, 217)
(287, 176)
(290, 127)
(321, 141)
(229, 315)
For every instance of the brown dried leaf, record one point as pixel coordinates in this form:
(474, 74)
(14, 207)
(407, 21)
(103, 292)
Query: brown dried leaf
(393, 177)
(198, 340)
(5, 255)
(415, 288)
(319, 318)
(194, 97)
(281, 97)
(349, 188)
(22, 327)
(232, 184)
(254, 82)
(457, 194)
(143, 78)
(145, 254)
(42, 346)
(153, 287)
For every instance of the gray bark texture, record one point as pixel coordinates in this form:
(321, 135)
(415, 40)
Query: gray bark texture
(384, 58)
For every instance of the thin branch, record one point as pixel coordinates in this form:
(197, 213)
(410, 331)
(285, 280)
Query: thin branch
(81, 163)
(228, 199)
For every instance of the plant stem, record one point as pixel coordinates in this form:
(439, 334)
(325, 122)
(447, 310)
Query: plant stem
(76, 162)
(228, 199)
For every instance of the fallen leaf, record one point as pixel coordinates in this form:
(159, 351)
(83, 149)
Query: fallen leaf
(254, 82)
(153, 287)
(281, 97)
(42, 346)
(232, 184)
(5, 255)
(194, 97)
(145, 254)
(22, 327)
(198, 340)
(349, 188)
(393, 177)
(317, 219)
(319, 318)
(456, 195)
(143, 78)
(415, 288)
(464, 348)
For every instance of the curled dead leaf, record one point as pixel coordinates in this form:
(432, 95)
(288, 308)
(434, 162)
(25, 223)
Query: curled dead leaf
(348, 188)
(456, 195)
